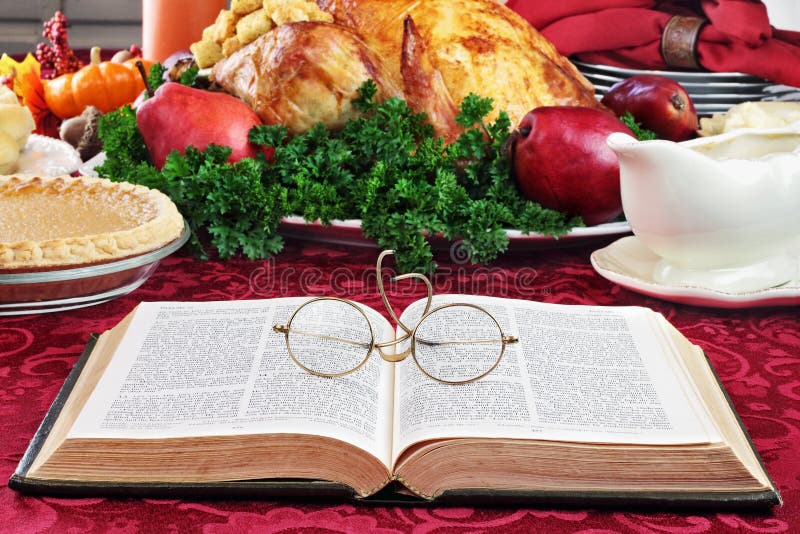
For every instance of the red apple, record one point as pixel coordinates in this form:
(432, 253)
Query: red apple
(178, 116)
(659, 103)
(561, 160)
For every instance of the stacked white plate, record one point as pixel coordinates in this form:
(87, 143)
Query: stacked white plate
(711, 92)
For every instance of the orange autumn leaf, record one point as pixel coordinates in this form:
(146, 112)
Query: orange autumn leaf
(14, 70)
(27, 84)
(33, 97)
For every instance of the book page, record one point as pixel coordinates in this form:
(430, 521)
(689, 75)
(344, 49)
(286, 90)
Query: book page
(217, 368)
(579, 373)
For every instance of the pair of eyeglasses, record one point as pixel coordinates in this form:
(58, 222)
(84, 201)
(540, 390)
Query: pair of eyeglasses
(455, 343)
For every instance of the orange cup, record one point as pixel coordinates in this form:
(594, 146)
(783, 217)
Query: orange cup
(169, 26)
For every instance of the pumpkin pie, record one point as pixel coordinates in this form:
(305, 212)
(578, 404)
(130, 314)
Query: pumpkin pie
(62, 222)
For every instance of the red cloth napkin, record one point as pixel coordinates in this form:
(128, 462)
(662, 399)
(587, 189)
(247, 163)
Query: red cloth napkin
(627, 33)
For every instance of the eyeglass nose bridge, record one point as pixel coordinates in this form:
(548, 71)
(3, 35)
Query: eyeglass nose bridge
(395, 356)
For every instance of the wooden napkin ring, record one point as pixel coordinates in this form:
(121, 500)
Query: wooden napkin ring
(679, 41)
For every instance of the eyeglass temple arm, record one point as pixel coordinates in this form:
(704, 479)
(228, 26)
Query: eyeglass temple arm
(391, 357)
(505, 340)
(283, 329)
(382, 291)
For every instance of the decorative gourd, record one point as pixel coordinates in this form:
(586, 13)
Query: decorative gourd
(106, 85)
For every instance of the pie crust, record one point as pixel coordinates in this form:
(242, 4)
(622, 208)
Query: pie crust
(63, 221)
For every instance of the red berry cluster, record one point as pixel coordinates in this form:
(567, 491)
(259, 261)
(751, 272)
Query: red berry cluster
(58, 58)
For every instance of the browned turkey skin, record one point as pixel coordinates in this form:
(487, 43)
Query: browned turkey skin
(433, 53)
(303, 73)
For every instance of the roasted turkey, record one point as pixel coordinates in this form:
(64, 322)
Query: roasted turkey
(303, 73)
(433, 53)
(479, 46)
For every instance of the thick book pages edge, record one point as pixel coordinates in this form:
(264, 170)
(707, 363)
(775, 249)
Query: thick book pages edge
(330, 491)
(271, 488)
(19, 481)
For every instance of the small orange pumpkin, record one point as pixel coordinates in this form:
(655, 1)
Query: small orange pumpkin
(106, 85)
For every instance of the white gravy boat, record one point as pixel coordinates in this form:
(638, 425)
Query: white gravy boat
(723, 212)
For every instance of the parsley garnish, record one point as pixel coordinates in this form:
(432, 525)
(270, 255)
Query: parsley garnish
(641, 133)
(155, 76)
(189, 76)
(385, 167)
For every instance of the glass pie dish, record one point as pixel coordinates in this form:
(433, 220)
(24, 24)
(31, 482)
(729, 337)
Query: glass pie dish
(66, 289)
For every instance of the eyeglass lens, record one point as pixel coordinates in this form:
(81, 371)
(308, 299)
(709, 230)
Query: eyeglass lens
(329, 337)
(458, 343)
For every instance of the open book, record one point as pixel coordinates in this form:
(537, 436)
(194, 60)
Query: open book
(604, 403)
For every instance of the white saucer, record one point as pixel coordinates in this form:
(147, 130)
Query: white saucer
(48, 156)
(628, 263)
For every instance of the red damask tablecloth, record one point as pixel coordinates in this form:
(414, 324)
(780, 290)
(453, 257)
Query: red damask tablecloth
(756, 353)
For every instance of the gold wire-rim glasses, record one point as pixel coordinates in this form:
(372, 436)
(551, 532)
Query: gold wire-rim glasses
(410, 333)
